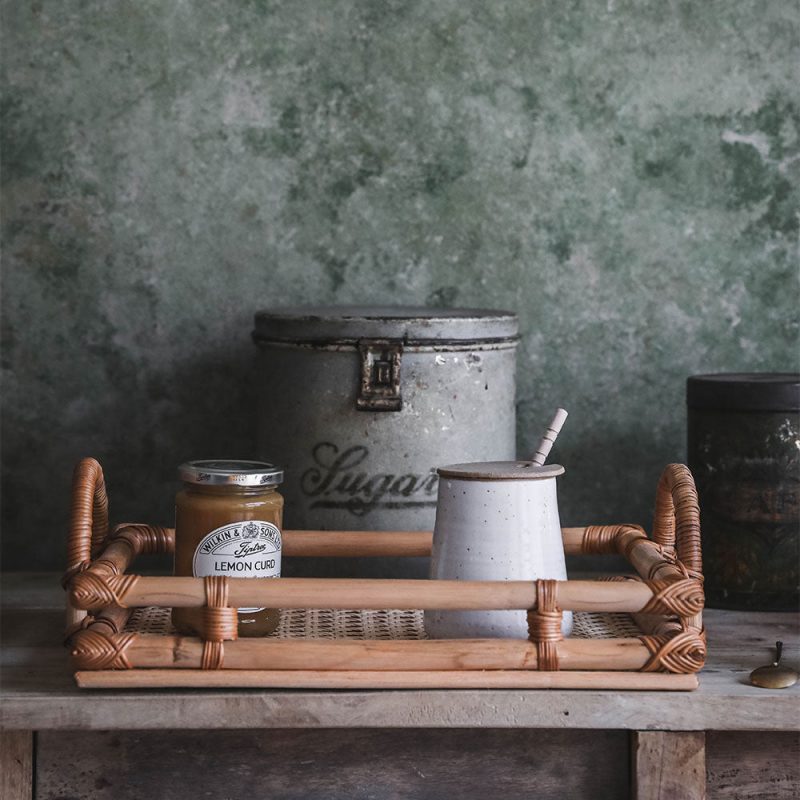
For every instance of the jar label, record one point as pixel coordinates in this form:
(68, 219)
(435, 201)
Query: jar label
(248, 549)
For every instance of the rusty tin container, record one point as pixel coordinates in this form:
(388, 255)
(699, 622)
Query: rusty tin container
(744, 452)
(361, 405)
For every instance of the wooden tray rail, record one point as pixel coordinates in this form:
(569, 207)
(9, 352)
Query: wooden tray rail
(665, 598)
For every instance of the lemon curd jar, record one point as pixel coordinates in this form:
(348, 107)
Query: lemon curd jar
(228, 519)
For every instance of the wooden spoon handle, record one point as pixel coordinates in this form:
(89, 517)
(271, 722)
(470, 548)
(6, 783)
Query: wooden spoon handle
(546, 442)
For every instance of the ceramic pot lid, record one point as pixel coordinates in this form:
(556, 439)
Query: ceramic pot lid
(500, 471)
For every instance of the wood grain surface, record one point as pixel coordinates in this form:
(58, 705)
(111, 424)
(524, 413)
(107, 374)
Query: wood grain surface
(16, 765)
(668, 765)
(415, 764)
(743, 766)
(332, 764)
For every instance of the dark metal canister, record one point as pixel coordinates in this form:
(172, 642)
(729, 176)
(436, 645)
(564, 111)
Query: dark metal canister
(744, 452)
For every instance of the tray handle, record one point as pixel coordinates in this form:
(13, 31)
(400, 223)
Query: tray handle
(89, 517)
(676, 524)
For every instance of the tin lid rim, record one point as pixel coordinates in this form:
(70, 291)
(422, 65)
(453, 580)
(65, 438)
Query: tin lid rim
(744, 391)
(224, 472)
(500, 471)
(409, 324)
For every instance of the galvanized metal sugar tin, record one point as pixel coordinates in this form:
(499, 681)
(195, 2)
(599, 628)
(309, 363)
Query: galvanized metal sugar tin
(744, 453)
(362, 404)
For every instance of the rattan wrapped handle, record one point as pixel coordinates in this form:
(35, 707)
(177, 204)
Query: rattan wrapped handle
(89, 518)
(676, 523)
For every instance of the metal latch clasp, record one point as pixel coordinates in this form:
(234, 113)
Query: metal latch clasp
(380, 375)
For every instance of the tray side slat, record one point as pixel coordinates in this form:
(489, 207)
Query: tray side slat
(361, 679)
(88, 591)
(181, 652)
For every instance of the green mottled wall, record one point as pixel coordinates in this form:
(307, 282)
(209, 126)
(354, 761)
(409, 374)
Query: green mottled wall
(623, 174)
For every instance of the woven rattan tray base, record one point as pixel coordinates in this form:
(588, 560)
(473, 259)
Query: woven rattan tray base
(383, 625)
(316, 623)
(637, 631)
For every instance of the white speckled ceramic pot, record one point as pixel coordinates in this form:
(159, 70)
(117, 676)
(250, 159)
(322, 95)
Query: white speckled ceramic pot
(495, 521)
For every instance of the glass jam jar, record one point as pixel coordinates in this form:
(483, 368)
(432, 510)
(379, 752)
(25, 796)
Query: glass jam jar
(228, 520)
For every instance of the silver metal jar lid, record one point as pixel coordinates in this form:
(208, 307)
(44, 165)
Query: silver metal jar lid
(413, 325)
(230, 472)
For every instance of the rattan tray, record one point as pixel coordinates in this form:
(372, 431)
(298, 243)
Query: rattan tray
(634, 632)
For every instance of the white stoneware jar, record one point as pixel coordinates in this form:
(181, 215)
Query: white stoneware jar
(495, 521)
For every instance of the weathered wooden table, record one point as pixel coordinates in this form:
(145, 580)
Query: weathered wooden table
(734, 739)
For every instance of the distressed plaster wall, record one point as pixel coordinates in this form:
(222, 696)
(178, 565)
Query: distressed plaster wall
(623, 174)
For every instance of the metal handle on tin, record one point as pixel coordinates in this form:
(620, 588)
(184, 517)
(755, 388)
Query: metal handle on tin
(379, 389)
